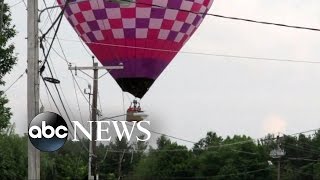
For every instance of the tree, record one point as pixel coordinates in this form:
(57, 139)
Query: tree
(114, 159)
(13, 156)
(168, 160)
(7, 61)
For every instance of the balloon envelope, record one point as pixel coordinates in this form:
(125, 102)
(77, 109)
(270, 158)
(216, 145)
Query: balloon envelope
(144, 35)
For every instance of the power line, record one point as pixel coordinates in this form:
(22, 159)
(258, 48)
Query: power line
(62, 103)
(214, 15)
(203, 177)
(304, 132)
(46, 56)
(73, 76)
(232, 18)
(51, 44)
(249, 58)
(48, 96)
(301, 148)
(298, 148)
(84, 147)
(15, 81)
(303, 159)
(46, 21)
(58, 20)
(25, 4)
(60, 87)
(203, 53)
(75, 91)
(184, 140)
(299, 172)
(194, 142)
(65, 59)
(62, 50)
(19, 2)
(52, 98)
(66, 112)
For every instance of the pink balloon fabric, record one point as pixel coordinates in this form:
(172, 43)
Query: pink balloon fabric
(144, 35)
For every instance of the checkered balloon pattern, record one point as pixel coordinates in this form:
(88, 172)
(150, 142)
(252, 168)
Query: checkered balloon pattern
(144, 35)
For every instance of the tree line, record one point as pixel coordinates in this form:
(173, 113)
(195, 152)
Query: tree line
(212, 157)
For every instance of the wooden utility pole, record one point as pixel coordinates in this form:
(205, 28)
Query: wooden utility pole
(279, 169)
(92, 149)
(94, 119)
(277, 154)
(1, 15)
(33, 84)
(120, 165)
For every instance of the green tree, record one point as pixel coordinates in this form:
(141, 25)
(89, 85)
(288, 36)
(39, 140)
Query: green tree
(168, 160)
(69, 162)
(13, 155)
(7, 60)
(231, 158)
(115, 159)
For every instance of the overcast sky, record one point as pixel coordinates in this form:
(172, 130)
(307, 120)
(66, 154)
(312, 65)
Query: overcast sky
(198, 93)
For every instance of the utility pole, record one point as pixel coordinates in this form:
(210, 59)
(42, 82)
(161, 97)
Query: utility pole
(94, 119)
(277, 154)
(92, 149)
(120, 165)
(279, 169)
(1, 15)
(33, 84)
(90, 146)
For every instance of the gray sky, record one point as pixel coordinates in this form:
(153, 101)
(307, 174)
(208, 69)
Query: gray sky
(197, 93)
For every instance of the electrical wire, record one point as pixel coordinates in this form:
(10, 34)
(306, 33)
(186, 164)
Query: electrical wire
(304, 132)
(303, 159)
(52, 98)
(15, 81)
(51, 73)
(25, 4)
(48, 96)
(194, 142)
(299, 172)
(68, 117)
(84, 147)
(58, 40)
(77, 83)
(63, 106)
(202, 53)
(301, 148)
(60, 87)
(58, 37)
(203, 177)
(65, 59)
(212, 15)
(19, 2)
(75, 92)
(184, 140)
(175, 150)
(49, 16)
(58, 20)
(264, 58)
(298, 148)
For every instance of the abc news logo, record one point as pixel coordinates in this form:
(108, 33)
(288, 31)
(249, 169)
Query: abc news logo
(48, 131)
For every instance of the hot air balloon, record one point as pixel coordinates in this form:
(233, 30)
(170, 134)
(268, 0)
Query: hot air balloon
(143, 35)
